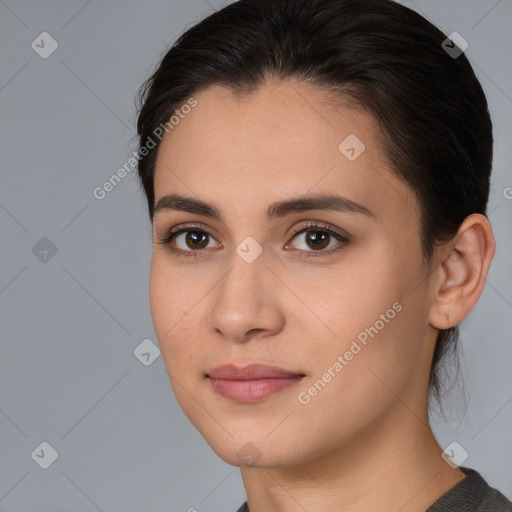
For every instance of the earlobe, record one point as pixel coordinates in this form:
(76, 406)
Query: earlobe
(462, 272)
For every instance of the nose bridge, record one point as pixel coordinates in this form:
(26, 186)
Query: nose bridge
(245, 281)
(245, 299)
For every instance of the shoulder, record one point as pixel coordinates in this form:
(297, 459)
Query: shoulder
(243, 508)
(495, 501)
(472, 494)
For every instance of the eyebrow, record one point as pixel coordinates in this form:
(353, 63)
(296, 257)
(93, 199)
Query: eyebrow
(275, 210)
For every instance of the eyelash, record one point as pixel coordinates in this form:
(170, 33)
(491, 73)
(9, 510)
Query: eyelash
(173, 233)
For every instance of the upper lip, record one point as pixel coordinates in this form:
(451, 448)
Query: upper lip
(250, 372)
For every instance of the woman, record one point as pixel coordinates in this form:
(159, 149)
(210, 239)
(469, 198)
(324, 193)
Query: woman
(317, 175)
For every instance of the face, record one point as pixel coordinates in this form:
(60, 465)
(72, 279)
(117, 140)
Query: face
(333, 295)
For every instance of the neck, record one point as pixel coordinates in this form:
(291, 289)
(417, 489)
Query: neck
(396, 465)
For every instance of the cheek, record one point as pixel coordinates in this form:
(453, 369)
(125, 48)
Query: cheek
(353, 383)
(172, 314)
(170, 309)
(355, 296)
(374, 320)
(161, 297)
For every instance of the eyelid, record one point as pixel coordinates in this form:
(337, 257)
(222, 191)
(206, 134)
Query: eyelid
(320, 226)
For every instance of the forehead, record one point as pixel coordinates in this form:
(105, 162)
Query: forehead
(277, 123)
(284, 139)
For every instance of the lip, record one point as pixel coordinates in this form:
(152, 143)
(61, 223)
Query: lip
(252, 383)
(250, 372)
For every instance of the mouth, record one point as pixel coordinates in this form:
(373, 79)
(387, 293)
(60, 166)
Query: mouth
(251, 383)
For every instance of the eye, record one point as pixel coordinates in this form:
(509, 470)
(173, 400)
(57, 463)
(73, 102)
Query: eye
(318, 238)
(193, 240)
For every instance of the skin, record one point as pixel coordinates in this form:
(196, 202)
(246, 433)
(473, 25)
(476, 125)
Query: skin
(363, 442)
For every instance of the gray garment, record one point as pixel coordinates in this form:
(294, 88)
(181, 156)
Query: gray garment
(471, 494)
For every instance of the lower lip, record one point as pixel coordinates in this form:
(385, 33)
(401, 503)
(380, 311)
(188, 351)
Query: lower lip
(246, 391)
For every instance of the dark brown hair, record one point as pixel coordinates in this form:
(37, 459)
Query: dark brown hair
(436, 132)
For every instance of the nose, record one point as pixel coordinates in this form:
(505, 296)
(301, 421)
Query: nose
(246, 303)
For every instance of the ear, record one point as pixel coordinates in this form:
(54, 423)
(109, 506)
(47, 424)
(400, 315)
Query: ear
(462, 272)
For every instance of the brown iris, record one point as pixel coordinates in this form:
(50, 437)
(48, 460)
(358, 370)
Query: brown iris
(194, 237)
(318, 239)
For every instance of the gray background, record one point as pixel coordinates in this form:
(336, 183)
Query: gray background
(70, 325)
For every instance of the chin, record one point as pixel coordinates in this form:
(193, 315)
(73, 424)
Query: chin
(247, 450)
